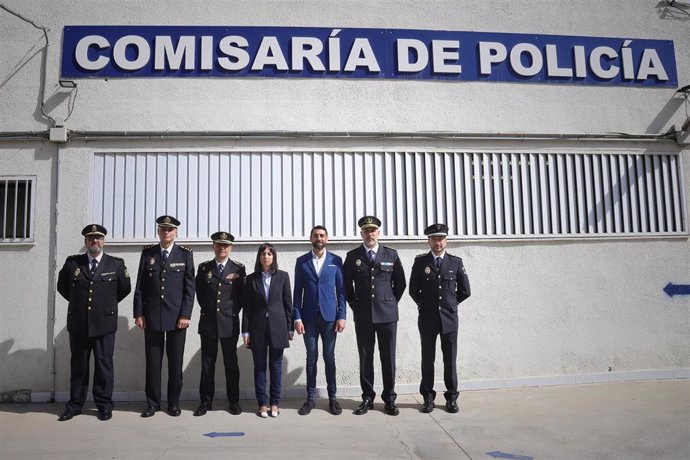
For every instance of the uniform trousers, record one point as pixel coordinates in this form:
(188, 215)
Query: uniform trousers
(449, 347)
(209, 354)
(81, 348)
(367, 333)
(155, 342)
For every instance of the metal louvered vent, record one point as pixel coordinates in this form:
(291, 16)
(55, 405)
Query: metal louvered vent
(281, 195)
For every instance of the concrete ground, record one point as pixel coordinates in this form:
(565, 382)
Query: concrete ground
(634, 420)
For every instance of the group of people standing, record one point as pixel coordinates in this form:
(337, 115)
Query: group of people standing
(265, 310)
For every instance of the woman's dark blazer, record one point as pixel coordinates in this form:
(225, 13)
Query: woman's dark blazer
(278, 307)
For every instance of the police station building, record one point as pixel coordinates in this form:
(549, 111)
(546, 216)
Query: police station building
(551, 138)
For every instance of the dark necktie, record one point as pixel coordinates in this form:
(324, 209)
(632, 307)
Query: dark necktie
(439, 261)
(220, 270)
(94, 266)
(165, 255)
(372, 256)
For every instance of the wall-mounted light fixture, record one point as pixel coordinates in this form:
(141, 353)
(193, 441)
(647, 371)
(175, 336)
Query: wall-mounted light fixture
(67, 84)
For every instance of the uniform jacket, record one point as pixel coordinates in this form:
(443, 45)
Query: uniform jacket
(93, 300)
(278, 307)
(220, 298)
(373, 290)
(438, 292)
(164, 292)
(324, 292)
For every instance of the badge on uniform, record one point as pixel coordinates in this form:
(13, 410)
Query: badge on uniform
(126, 273)
(152, 261)
(427, 270)
(232, 276)
(463, 270)
(209, 275)
(76, 272)
(358, 262)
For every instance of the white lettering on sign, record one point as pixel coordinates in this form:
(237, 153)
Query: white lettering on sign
(236, 56)
(81, 52)
(491, 53)
(604, 62)
(165, 50)
(233, 53)
(362, 55)
(534, 57)
(446, 50)
(552, 69)
(307, 49)
(269, 53)
(404, 46)
(650, 65)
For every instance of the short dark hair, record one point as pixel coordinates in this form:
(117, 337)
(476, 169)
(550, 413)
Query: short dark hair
(262, 248)
(318, 227)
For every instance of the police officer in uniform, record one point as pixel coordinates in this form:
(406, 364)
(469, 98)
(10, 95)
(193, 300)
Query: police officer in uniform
(374, 283)
(219, 284)
(93, 283)
(438, 283)
(163, 301)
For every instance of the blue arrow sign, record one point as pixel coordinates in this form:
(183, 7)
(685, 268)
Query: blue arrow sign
(499, 454)
(677, 289)
(216, 434)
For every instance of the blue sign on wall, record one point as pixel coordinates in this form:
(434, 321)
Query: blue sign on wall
(306, 52)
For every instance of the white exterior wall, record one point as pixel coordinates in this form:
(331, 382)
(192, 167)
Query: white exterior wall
(540, 308)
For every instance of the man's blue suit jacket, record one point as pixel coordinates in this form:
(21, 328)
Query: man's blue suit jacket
(325, 292)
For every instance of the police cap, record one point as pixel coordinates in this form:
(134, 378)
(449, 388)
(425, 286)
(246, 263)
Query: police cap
(436, 230)
(94, 230)
(168, 221)
(222, 238)
(368, 222)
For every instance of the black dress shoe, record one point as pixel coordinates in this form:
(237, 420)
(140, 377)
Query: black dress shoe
(67, 415)
(364, 407)
(391, 408)
(452, 407)
(306, 408)
(149, 412)
(235, 408)
(174, 411)
(428, 406)
(202, 409)
(334, 407)
(104, 415)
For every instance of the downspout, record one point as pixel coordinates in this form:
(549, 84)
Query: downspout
(53, 319)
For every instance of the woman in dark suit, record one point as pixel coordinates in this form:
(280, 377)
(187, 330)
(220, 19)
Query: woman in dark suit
(267, 324)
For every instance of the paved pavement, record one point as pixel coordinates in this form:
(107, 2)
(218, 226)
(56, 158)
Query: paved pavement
(632, 420)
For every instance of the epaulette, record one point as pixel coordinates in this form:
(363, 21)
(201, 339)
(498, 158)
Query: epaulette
(116, 257)
(389, 248)
(421, 255)
(150, 246)
(452, 256)
(239, 264)
(185, 248)
(73, 256)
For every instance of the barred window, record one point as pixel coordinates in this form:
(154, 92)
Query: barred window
(16, 209)
(281, 195)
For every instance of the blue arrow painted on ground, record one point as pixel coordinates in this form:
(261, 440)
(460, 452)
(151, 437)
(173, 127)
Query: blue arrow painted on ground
(677, 289)
(216, 434)
(499, 454)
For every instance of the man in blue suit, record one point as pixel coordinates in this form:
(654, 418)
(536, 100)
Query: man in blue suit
(319, 302)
